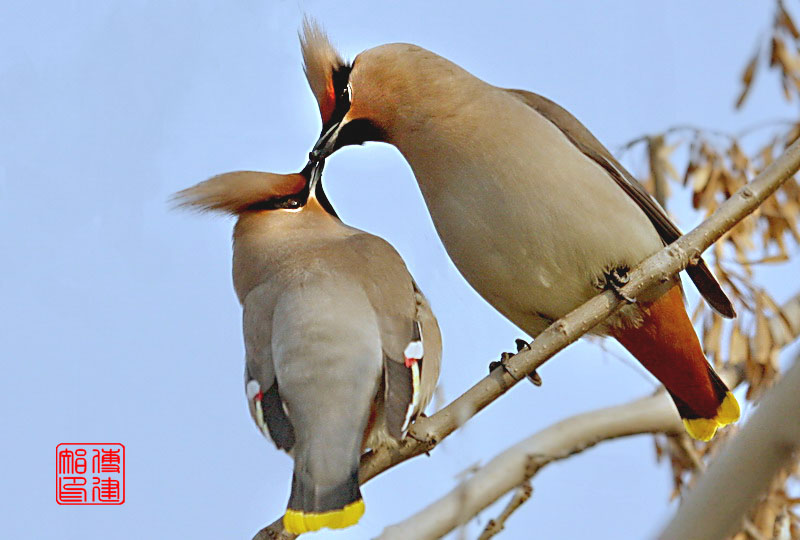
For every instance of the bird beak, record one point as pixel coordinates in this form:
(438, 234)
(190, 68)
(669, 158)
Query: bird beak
(326, 144)
(316, 173)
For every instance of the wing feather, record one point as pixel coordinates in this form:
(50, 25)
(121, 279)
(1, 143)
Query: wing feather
(582, 138)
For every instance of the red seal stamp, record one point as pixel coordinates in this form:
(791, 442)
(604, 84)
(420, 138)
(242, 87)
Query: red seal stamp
(90, 473)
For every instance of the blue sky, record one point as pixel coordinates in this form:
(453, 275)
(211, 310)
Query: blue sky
(120, 323)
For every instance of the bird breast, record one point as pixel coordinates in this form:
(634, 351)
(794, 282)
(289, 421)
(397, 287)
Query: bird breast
(527, 218)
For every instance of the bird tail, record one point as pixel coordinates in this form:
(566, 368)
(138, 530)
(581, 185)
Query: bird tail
(313, 506)
(667, 346)
(727, 412)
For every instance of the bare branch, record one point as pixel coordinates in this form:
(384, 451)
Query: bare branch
(654, 414)
(496, 526)
(427, 432)
(522, 461)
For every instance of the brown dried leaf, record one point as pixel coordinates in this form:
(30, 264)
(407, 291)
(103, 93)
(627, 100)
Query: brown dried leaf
(704, 198)
(712, 337)
(739, 348)
(788, 61)
(770, 259)
(747, 79)
(739, 160)
(762, 345)
(769, 302)
(755, 375)
(742, 242)
(785, 21)
(787, 91)
(766, 154)
(775, 360)
(765, 518)
(794, 133)
(698, 310)
(664, 153)
(774, 54)
(700, 176)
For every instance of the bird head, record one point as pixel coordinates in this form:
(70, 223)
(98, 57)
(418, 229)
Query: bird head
(370, 99)
(246, 191)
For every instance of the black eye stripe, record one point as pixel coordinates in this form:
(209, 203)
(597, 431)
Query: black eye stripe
(290, 202)
(341, 91)
(341, 77)
(297, 200)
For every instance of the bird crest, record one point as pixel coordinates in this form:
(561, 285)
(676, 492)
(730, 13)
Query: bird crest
(236, 192)
(320, 62)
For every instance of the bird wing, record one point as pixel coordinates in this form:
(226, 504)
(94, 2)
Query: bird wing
(583, 139)
(266, 408)
(410, 335)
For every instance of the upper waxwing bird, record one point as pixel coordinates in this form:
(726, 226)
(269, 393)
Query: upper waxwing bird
(534, 211)
(334, 329)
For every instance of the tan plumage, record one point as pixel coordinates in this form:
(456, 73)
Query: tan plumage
(318, 56)
(235, 192)
(535, 213)
(329, 313)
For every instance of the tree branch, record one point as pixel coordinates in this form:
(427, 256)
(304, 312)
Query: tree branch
(653, 414)
(519, 463)
(496, 526)
(427, 432)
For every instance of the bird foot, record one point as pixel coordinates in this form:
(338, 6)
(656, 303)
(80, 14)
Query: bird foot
(522, 345)
(615, 279)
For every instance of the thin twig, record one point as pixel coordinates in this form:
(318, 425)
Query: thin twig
(495, 526)
(699, 131)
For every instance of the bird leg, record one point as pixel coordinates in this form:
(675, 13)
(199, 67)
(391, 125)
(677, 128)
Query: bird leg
(614, 279)
(522, 345)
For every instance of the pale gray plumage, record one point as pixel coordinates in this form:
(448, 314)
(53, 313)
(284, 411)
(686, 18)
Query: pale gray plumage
(327, 310)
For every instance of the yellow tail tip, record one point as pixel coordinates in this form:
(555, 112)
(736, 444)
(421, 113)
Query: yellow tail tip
(298, 522)
(728, 411)
(703, 429)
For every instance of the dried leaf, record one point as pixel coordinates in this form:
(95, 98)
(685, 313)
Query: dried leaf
(766, 154)
(664, 153)
(739, 160)
(787, 92)
(774, 54)
(700, 176)
(775, 359)
(747, 79)
(712, 337)
(739, 349)
(770, 259)
(762, 345)
(787, 60)
(785, 21)
(794, 133)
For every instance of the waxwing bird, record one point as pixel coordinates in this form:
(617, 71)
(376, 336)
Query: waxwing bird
(342, 349)
(533, 210)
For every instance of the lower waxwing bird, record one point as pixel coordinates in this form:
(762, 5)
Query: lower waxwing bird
(334, 329)
(534, 211)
